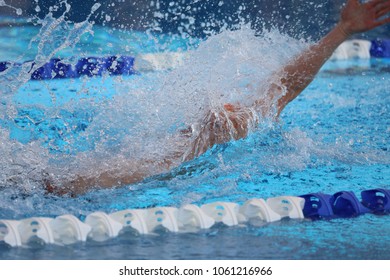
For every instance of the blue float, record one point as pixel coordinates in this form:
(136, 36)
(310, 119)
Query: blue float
(377, 200)
(123, 65)
(62, 70)
(4, 66)
(317, 205)
(380, 48)
(89, 66)
(346, 204)
(42, 73)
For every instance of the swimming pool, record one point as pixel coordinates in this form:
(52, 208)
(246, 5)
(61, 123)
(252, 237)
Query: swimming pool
(333, 137)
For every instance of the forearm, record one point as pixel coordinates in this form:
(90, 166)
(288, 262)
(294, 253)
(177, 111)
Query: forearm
(355, 17)
(128, 173)
(298, 74)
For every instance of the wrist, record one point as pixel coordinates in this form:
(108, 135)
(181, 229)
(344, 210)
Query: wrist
(342, 28)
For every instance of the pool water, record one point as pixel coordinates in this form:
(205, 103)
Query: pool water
(364, 237)
(333, 137)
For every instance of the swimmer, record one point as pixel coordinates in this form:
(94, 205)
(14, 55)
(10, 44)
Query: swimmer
(233, 122)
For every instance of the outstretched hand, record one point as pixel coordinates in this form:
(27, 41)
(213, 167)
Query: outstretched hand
(360, 17)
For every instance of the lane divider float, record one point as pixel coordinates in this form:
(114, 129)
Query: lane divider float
(56, 68)
(100, 226)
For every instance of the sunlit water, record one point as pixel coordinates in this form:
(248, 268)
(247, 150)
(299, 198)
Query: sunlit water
(334, 137)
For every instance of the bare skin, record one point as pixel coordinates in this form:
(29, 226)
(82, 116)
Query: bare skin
(234, 122)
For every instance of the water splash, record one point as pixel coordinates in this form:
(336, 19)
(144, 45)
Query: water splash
(55, 34)
(18, 11)
(141, 121)
(92, 131)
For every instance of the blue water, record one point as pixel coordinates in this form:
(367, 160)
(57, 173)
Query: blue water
(333, 137)
(343, 145)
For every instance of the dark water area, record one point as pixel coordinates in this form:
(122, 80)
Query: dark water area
(196, 18)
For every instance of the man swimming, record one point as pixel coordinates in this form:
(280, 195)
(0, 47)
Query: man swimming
(234, 121)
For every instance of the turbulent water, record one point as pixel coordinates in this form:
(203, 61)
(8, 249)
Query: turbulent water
(142, 120)
(90, 125)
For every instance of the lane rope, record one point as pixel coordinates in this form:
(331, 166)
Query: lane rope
(100, 226)
(128, 65)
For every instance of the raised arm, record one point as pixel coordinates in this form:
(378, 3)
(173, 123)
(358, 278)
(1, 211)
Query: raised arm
(355, 17)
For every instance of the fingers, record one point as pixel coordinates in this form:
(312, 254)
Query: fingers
(377, 2)
(379, 7)
(383, 10)
(382, 22)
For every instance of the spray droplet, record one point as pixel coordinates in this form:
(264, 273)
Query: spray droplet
(95, 7)
(19, 12)
(37, 9)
